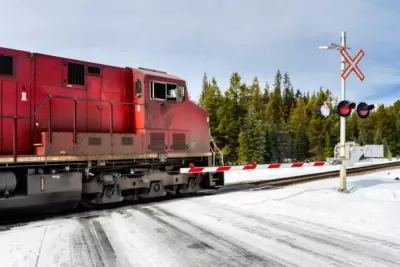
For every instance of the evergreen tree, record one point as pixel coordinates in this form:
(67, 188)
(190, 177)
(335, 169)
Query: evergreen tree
(297, 128)
(211, 101)
(288, 97)
(267, 94)
(229, 114)
(253, 136)
(274, 122)
(328, 152)
(204, 86)
(256, 98)
(242, 155)
(316, 127)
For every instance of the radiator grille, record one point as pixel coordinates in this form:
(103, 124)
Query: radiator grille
(94, 141)
(179, 141)
(157, 142)
(126, 141)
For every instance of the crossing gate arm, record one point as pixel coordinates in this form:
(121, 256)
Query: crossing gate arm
(252, 167)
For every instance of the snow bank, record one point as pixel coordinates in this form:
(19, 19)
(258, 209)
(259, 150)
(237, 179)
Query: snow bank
(373, 199)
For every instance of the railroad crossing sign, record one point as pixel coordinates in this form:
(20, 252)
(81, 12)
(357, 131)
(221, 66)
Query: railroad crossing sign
(352, 64)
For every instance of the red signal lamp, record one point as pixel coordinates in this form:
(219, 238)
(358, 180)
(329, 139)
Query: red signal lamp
(345, 107)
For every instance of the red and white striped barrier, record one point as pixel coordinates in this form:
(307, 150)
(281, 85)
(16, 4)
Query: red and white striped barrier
(251, 167)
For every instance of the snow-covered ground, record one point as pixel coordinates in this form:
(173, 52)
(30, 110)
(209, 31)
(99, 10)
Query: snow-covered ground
(303, 225)
(257, 175)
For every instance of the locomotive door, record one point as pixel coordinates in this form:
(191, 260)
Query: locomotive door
(14, 101)
(94, 109)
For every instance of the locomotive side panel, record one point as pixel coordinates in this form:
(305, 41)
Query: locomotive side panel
(81, 80)
(103, 112)
(51, 79)
(113, 85)
(15, 95)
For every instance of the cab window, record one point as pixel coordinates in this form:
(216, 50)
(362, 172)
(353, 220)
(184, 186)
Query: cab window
(167, 91)
(138, 89)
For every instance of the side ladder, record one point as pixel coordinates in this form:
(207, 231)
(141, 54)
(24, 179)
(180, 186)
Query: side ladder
(214, 149)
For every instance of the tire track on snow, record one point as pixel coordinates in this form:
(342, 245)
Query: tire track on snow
(94, 239)
(349, 247)
(253, 257)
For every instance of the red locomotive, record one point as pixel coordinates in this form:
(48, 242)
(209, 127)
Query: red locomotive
(77, 132)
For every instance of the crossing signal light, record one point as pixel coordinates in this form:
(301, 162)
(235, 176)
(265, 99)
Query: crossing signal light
(345, 107)
(363, 110)
(324, 110)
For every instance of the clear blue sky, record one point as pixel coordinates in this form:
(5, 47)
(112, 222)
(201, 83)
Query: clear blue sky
(190, 37)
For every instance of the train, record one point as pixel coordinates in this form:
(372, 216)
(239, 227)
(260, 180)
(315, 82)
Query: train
(82, 133)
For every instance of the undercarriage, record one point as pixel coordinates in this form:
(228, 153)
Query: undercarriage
(63, 186)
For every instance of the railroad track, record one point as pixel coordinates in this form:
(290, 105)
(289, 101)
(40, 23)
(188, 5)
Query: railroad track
(264, 184)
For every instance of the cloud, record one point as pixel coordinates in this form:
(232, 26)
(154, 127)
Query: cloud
(188, 38)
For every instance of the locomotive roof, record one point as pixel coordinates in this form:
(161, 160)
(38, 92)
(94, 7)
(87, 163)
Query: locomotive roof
(159, 74)
(145, 71)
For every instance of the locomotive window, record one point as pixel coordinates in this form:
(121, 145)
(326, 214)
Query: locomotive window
(167, 91)
(93, 70)
(138, 88)
(171, 92)
(76, 74)
(175, 93)
(158, 91)
(6, 65)
(180, 93)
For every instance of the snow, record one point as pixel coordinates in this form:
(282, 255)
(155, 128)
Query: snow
(270, 174)
(308, 224)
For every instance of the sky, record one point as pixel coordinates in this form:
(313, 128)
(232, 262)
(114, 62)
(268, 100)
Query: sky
(219, 37)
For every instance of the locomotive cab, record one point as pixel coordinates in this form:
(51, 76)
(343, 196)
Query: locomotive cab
(173, 124)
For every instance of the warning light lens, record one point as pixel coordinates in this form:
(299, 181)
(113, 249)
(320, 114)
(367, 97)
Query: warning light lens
(325, 111)
(345, 107)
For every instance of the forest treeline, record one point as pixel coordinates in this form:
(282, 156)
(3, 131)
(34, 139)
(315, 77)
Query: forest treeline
(278, 123)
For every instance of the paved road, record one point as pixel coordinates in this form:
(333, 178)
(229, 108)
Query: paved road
(190, 232)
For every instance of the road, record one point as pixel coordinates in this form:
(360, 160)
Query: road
(191, 232)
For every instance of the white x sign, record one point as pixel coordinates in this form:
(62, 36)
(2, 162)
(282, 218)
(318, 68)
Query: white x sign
(352, 64)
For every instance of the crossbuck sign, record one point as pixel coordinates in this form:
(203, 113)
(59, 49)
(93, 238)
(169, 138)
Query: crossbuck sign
(352, 64)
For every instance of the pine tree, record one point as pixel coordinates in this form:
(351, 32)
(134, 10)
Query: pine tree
(256, 98)
(267, 153)
(204, 88)
(242, 155)
(297, 128)
(267, 94)
(288, 97)
(211, 101)
(229, 118)
(274, 122)
(253, 136)
(316, 127)
(328, 152)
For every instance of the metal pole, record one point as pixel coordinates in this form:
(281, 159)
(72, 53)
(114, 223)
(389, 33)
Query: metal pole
(342, 176)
